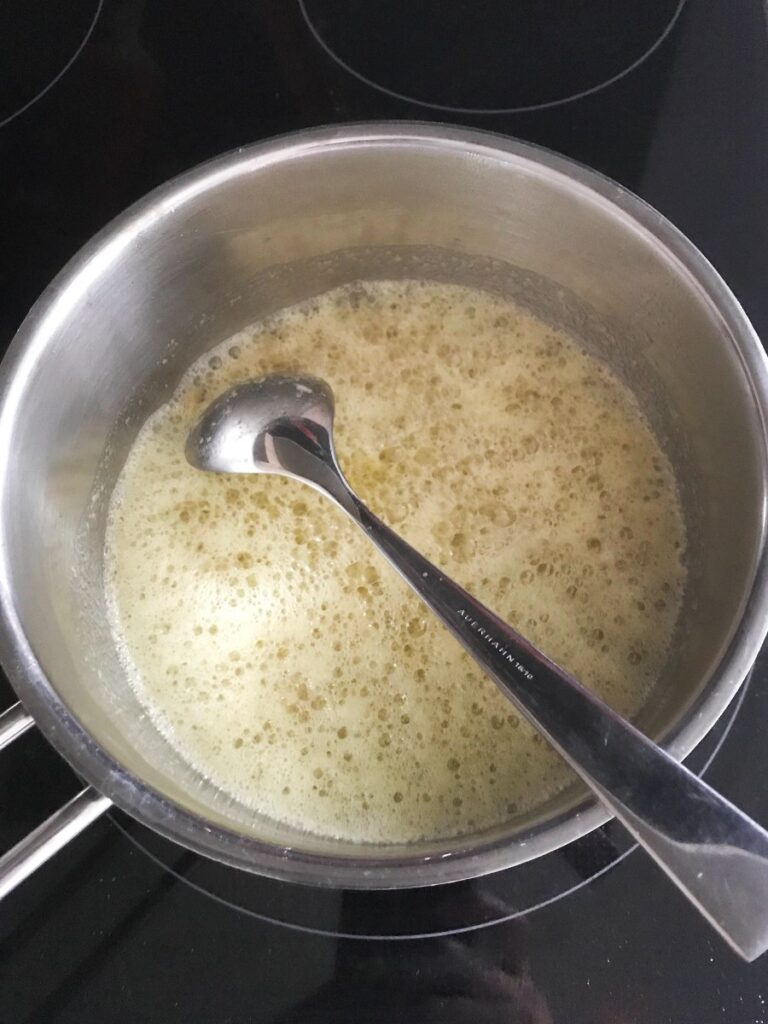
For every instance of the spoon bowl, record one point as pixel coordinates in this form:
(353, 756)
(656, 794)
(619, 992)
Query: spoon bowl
(238, 431)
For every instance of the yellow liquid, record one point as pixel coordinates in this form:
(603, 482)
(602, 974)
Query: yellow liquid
(292, 667)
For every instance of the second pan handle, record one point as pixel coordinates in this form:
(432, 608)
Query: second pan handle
(47, 839)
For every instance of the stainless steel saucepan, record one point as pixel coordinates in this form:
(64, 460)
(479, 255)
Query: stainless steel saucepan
(209, 253)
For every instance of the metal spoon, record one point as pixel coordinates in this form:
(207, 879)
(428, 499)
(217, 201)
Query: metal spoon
(710, 849)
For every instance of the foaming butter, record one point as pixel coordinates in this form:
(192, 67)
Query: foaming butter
(291, 666)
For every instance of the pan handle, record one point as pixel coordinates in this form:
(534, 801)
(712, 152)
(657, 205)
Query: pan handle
(53, 835)
(13, 723)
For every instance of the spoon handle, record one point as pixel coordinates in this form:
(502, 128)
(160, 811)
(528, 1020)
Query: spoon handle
(715, 853)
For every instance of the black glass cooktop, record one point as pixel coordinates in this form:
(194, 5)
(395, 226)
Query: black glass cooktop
(101, 100)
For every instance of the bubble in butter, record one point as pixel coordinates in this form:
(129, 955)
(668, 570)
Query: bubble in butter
(292, 667)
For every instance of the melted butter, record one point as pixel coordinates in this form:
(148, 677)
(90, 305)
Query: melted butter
(291, 666)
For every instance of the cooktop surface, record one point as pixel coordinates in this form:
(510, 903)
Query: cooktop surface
(100, 101)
